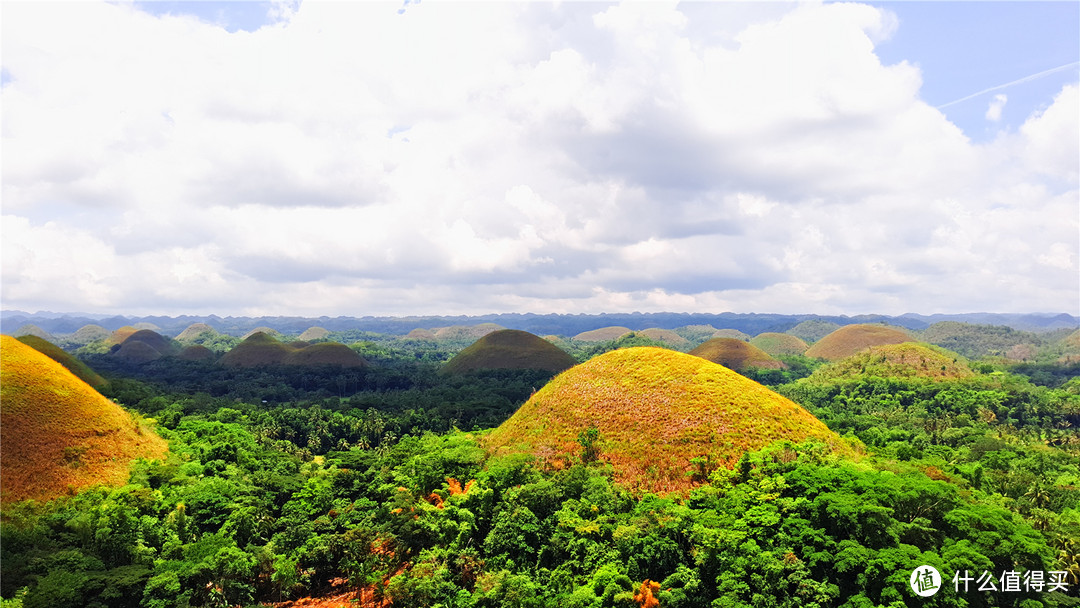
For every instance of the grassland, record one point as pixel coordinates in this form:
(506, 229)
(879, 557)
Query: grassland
(735, 354)
(655, 410)
(851, 339)
(57, 434)
(510, 349)
(906, 360)
(81, 370)
(603, 334)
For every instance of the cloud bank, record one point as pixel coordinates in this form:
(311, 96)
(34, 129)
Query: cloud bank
(468, 158)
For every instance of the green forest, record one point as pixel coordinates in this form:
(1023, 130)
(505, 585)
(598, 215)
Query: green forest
(373, 484)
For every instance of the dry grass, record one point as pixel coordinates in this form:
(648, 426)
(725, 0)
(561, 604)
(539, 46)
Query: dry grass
(656, 409)
(195, 330)
(420, 334)
(603, 334)
(731, 333)
(466, 332)
(905, 360)
(57, 434)
(314, 333)
(89, 333)
(667, 336)
(735, 354)
(509, 349)
(851, 339)
(120, 335)
(61, 356)
(779, 344)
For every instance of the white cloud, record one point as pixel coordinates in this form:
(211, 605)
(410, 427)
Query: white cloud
(349, 159)
(993, 112)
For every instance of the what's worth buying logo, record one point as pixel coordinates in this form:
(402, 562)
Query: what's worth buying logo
(925, 581)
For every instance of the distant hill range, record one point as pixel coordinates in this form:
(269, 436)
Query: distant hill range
(750, 324)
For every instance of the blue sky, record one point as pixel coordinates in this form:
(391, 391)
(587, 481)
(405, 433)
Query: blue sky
(465, 157)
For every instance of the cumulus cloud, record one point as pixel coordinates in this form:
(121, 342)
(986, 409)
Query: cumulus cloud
(993, 112)
(349, 158)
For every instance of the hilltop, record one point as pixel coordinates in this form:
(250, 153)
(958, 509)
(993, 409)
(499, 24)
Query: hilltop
(667, 336)
(81, 370)
(812, 330)
(776, 344)
(465, 332)
(146, 345)
(262, 349)
(314, 333)
(59, 435)
(904, 360)
(731, 333)
(655, 410)
(510, 349)
(735, 354)
(851, 339)
(89, 333)
(603, 334)
(193, 331)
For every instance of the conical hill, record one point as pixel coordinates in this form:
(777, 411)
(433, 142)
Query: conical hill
(510, 349)
(603, 334)
(59, 435)
(88, 333)
(905, 360)
(81, 370)
(735, 354)
(655, 410)
(851, 339)
(314, 333)
(776, 344)
(326, 353)
(146, 345)
(193, 331)
(262, 349)
(667, 336)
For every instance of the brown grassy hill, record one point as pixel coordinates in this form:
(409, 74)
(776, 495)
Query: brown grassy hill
(59, 435)
(509, 349)
(81, 370)
(466, 332)
(33, 330)
(193, 331)
(779, 344)
(196, 352)
(904, 360)
(420, 334)
(314, 333)
(655, 410)
(851, 339)
(667, 336)
(154, 340)
(325, 353)
(89, 333)
(696, 333)
(735, 354)
(270, 331)
(812, 330)
(137, 352)
(731, 333)
(257, 349)
(118, 336)
(602, 335)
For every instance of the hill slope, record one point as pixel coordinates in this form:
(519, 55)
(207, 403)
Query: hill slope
(59, 434)
(655, 410)
(851, 339)
(602, 335)
(262, 349)
(510, 349)
(905, 360)
(81, 370)
(735, 354)
(779, 344)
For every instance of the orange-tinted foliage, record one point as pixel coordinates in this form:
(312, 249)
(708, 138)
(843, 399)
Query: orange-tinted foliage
(59, 435)
(646, 595)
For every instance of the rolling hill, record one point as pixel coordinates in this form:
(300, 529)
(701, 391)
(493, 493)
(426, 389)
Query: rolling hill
(667, 336)
(851, 339)
(735, 354)
(81, 370)
(270, 331)
(776, 344)
(812, 330)
(904, 360)
(146, 345)
(196, 352)
(262, 349)
(57, 434)
(89, 333)
(314, 333)
(602, 335)
(33, 330)
(465, 332)
(731, 333)
(325, 353)
(194, 331)
(509, 349)
(655, 410)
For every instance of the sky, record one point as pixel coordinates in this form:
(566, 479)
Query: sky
(339, 158)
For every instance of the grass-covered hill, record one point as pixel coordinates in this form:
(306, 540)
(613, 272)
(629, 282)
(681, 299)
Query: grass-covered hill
(420, 334)
(735, 354)
(978, 341)
(33, 330)
(813, 330)
(510, 349)
(314, 333)
(777, 344)
(146, 345)
(667, 336)
(905, 360)
(59, 435)
(61, 356)
(603, 334)
(655, 410)
(196, 352)
(731, 333)
(89, 333)
(269, 331)
(696, 333)
(262, 349)
(465, 332)
(118, 336)
(193, 332)
(851, 339)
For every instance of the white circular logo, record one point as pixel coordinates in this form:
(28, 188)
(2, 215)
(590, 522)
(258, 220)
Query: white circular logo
(925, 581)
